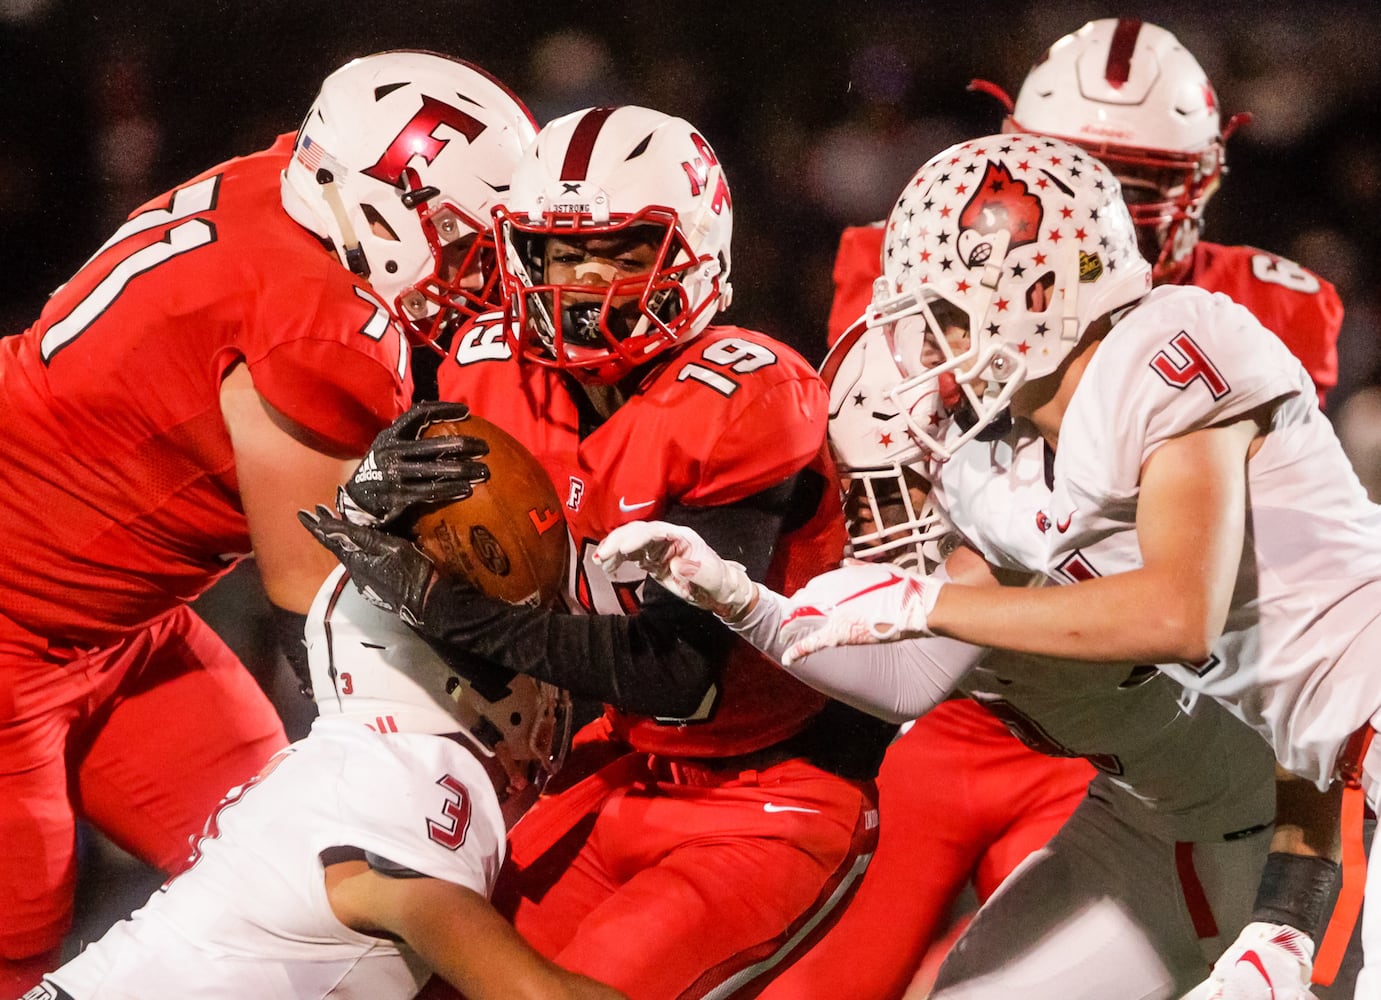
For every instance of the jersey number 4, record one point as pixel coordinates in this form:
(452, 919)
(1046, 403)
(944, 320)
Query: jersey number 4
(1183, 362)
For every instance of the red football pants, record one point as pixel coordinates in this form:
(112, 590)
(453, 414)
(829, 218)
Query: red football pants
(961, 800)
(698, 887)
(141, 738)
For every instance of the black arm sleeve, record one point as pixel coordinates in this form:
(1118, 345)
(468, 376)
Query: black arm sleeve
(289, 628)
(660, 662)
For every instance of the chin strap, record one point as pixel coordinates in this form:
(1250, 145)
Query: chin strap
(994, 91)
(354, 253)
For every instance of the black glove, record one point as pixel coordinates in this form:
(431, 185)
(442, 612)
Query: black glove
(389, 571)
(402, 472)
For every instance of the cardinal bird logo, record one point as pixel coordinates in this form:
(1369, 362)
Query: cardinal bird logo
(1001, 203)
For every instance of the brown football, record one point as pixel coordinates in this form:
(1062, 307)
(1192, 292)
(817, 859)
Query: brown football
(508, 537)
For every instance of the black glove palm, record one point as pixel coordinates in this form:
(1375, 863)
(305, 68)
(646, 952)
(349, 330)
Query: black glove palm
(389, 571)
(402, 472)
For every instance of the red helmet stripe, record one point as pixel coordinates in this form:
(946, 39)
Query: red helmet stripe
(582, 146)
(1120, 52)
(840, 351)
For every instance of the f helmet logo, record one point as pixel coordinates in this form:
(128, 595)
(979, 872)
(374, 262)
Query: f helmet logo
(418, 138)
(1001, 202)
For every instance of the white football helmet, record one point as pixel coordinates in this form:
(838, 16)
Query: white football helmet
(1020, 241)
(1132, 95)
(369, 668)
(603, 172)
(399, 163)
(877, 398)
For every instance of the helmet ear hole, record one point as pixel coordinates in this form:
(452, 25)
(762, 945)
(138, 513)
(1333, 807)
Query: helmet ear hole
(1040, 293)
(378, 225)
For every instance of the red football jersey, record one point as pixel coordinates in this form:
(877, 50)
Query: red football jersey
(117, 477)
(1301, 308)
(856, 266)
(1294, 303)
(727, 415)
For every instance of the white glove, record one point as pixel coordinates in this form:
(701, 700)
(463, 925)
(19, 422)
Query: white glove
(859, 604)
(683, 563)
(1266, 962)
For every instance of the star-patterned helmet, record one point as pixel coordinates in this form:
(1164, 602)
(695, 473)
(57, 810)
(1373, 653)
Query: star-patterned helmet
(1021, 242)
(876, 399)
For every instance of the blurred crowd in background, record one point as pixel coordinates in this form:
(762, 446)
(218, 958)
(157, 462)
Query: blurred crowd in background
(819, 112)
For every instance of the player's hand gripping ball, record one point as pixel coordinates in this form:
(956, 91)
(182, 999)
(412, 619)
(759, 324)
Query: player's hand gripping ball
(508, 537)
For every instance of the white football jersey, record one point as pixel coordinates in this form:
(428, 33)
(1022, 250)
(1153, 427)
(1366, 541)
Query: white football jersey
(250, 917)
(1308, 581)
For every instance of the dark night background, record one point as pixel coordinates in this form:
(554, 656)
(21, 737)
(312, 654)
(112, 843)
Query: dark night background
(819, 112)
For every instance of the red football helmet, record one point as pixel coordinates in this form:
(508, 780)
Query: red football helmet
(399, 163)
(1134, 97)
(615, 174)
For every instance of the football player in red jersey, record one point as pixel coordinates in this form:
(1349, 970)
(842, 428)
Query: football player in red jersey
(225, 357)
(732, 808)
(1132, 95)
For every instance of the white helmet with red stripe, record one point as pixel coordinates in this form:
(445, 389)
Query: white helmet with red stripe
(877, 402)
(1132, 95)
(606, 172)
(399, 164)
(369, 668)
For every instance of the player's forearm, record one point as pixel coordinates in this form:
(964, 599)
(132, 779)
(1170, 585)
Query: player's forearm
(893, 681)
(465, 941)
(1132, 617)
(660, 662)
(1308, 821)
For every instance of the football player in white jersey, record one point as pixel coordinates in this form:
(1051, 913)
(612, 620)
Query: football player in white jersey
(361, 859)
(1153, 875)
(1190, 496)
(1132, 95)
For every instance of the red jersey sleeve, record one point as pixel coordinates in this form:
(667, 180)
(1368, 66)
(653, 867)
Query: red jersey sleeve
(1294, 303)
(342, 396)
(770, 426)
(857, 264)
(738, 465)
